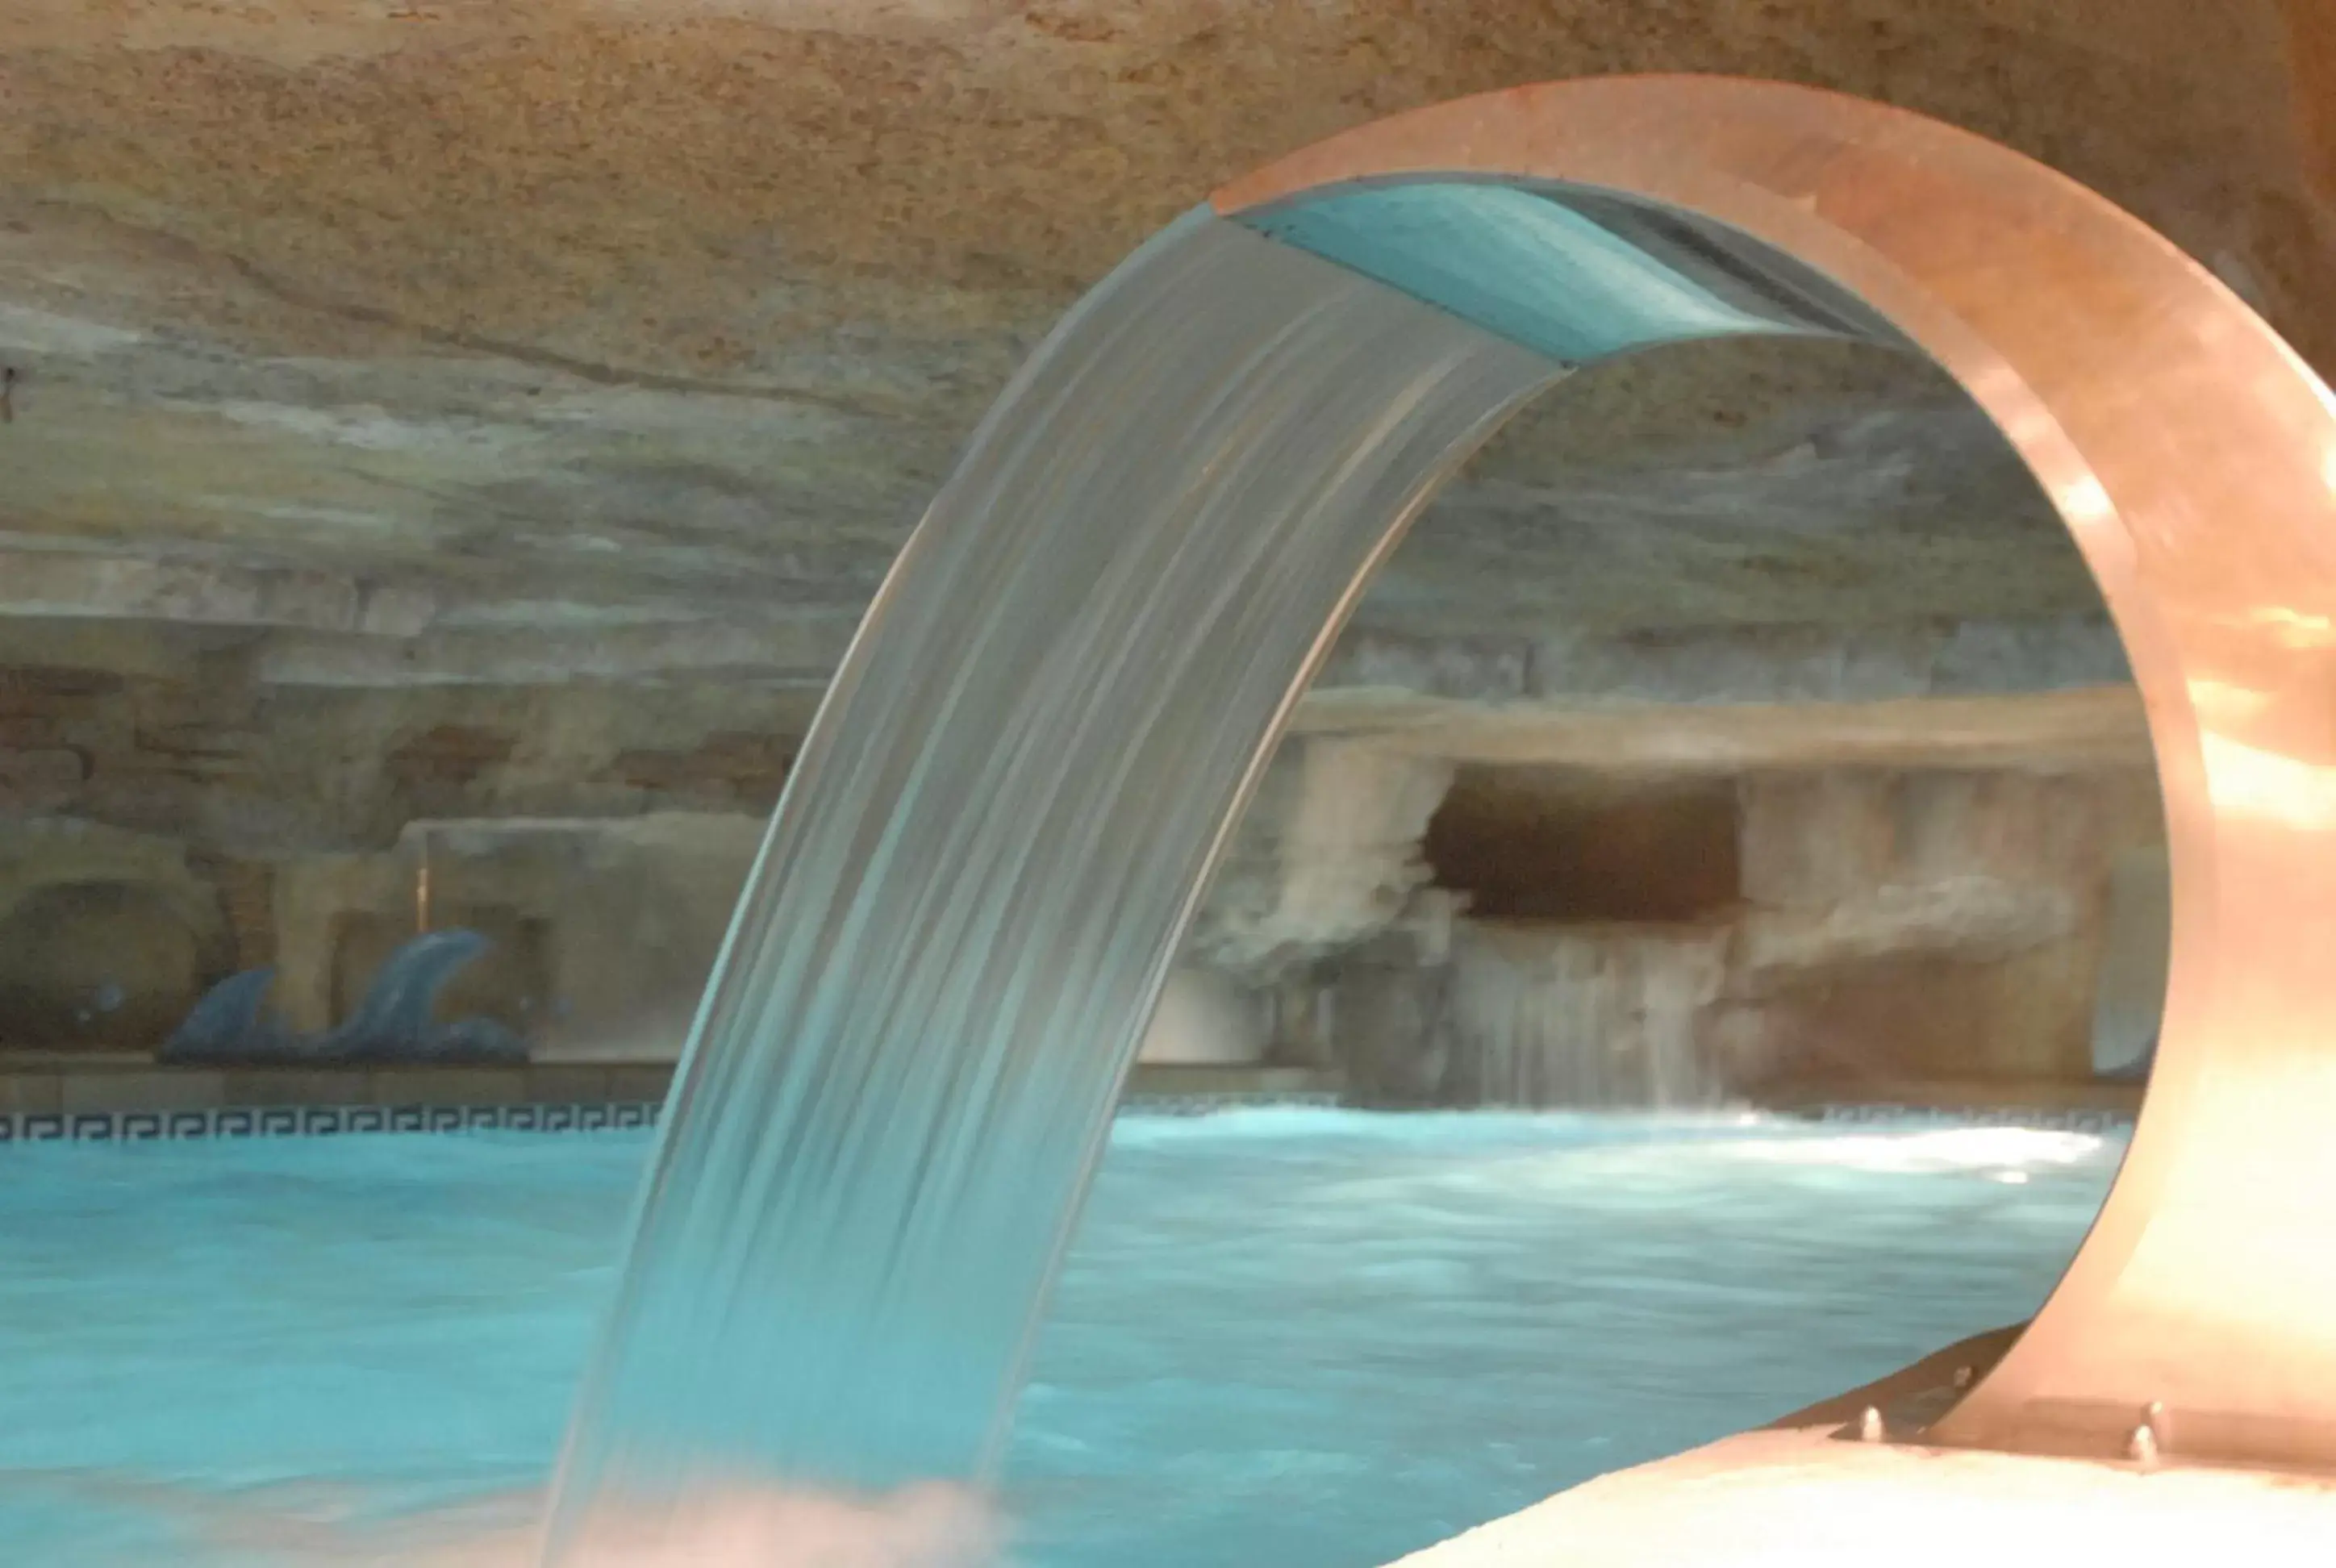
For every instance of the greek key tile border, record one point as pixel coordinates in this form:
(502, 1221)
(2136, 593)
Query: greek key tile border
(330, 1121)
(2099, 1122)
(317, 1121)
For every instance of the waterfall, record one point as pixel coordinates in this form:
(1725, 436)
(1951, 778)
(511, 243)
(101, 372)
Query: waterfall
(991, 846)
(1583, 1015)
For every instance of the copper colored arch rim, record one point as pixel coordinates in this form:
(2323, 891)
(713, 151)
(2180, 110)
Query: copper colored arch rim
(2192, 456)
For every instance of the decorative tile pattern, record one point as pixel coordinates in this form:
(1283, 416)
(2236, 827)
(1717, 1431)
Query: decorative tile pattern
(315, 1122)
(330, 1121)
(2098, 1121)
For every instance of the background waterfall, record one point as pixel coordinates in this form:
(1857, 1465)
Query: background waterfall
(1583, 1015)
(991, 845)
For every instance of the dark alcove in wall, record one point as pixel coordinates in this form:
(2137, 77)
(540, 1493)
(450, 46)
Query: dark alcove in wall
(1560, 845)
(98, 965)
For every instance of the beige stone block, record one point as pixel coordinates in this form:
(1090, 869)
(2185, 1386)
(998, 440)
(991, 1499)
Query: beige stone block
(1168, 1080)
(28, 1094)
(564, 1083)
(640, 1081)
(294, 1086)
(450, 1086)
(162, 1089)
(1810, 840)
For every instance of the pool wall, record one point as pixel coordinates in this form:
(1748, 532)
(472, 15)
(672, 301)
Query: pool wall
(136, 1104)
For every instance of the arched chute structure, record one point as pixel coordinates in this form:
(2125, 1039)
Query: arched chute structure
(2193, 459)
(997, 831)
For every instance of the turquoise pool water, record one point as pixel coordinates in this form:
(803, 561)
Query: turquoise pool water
(1307, 1338)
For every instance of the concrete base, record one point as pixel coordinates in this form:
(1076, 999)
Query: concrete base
(1807, 1499)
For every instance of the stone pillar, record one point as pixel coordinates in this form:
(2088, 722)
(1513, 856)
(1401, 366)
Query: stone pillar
(1205, 1019)
(1386, 1014)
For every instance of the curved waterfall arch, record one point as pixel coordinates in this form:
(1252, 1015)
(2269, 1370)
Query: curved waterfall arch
(965, 909)
(2192, 456)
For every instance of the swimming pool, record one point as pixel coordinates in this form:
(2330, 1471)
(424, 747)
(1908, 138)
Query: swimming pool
(1305, 1337)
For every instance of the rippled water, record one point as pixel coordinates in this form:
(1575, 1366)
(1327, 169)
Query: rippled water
(1299, 1338)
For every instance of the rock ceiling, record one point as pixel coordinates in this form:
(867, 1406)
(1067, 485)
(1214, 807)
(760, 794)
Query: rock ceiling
(506, 341)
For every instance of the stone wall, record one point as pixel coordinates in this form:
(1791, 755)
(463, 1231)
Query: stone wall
(1328, 856)
(169, 813)
(556, 335)
(441, 413)
(1865, 928)
(1926, 926)
(603, 933)
(1208, 1018)
(182, 732)
(106, 938)
(1463, 930)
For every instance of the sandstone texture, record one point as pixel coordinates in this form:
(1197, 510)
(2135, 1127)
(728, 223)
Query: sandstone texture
(649, 328)
(1843, 932)
(442, 411)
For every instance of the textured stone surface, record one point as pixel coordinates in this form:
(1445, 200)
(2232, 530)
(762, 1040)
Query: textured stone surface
(604, 931)
(433, 409)
(106, 938)
(156, 736)
(1788, 933)
(1854, 926)
(578, 316)
(1328, 856)
(1939, 924)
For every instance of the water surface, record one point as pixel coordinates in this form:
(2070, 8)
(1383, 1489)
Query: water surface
(1309, 1338)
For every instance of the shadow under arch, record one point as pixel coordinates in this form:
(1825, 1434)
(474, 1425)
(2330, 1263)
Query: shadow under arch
(2192, 456)
(976, 842)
